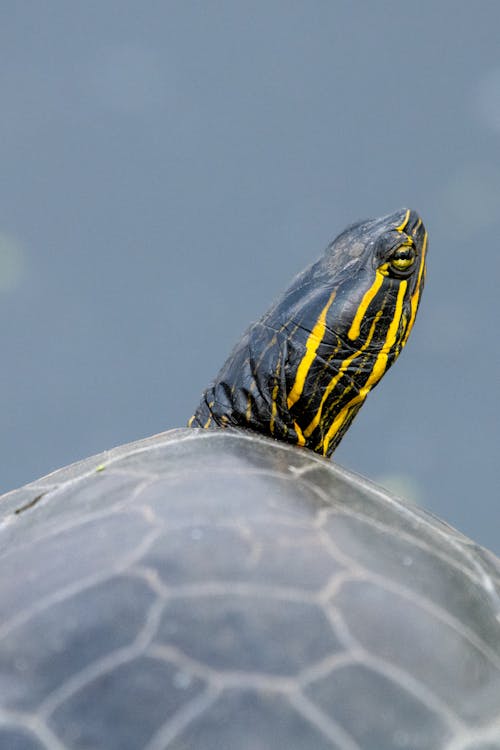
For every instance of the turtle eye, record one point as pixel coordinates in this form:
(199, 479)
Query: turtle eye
(403, 258)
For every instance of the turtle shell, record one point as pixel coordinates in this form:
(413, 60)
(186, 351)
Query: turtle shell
(221, 591)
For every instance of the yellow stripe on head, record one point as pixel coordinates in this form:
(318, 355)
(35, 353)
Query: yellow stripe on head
(403, 224)
(378, 370)
(300, 436)
(415, 297)
(313, 341)
(248, 413)
(368, 296)
(333, 382)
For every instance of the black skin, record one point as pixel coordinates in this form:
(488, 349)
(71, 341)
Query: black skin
(254, 387)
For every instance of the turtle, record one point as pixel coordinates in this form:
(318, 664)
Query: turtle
(226, 586)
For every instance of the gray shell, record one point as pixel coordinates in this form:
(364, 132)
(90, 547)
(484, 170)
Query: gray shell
(220, 591)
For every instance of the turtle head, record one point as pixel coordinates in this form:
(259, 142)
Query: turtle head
(302, 372)
(376, 271)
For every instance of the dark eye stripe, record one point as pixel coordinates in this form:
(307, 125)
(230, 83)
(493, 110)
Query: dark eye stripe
(404, 252)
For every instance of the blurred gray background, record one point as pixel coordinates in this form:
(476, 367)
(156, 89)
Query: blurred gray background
(167, 167)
